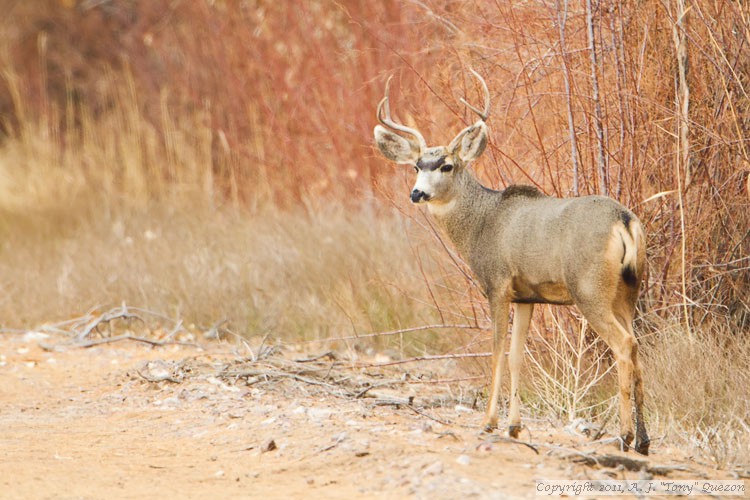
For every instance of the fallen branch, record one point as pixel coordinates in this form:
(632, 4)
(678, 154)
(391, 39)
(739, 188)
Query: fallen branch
(393, 401)
(82, 327)
(427, 415)
(628, 463)
(397, 332)
(269, 374)
(121, 312)
(329, 354)
(424, 358)
(340, 439)
(503, 439)
(609, 461)
(119, 338)
(371, 387)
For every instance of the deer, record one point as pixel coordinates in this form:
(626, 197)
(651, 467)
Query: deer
(524, 248)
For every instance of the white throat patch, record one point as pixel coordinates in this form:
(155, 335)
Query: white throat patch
(441, 209)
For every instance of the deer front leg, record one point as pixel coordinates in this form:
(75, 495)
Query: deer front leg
(521, 320)
(500, 310)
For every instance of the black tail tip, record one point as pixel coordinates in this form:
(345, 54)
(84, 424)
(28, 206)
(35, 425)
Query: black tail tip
(629, 276)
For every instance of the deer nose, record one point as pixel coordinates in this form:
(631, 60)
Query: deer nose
(417, 196)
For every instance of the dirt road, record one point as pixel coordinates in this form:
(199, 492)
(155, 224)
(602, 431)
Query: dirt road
(101, 422)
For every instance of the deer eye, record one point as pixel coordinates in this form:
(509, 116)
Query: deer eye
(446, 168)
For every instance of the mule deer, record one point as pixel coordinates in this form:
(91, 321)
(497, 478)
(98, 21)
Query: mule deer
(527, 248)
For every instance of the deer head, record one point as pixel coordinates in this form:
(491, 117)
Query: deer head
(436, 166)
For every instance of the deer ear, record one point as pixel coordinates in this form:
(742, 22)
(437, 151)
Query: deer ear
(394, 147)
(470, 142)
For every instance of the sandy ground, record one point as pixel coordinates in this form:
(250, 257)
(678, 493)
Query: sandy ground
(86, 423)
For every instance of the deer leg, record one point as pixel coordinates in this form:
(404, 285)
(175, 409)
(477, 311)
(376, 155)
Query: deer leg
(625, 376)
(622, 342)
(642, 440)
(521, 320)
(500, 310)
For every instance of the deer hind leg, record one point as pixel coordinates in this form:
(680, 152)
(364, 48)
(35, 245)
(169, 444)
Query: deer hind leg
(624, 312)
(521, 320)
(642, 440)
(623, 344)
(500, 310)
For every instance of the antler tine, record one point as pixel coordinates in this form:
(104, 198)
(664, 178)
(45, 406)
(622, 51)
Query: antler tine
(482, 114)
(384, 107)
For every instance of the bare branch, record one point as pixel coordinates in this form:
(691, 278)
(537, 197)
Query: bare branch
(598, 127)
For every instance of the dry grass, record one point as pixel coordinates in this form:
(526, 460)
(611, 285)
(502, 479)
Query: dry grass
(294, 276)
(699, 391)
(232, 176)
(570, 375)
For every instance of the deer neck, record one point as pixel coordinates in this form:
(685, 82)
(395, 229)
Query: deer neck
(463, 216)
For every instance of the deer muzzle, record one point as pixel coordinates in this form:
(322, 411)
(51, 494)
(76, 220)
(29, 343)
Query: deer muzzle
(418, 196)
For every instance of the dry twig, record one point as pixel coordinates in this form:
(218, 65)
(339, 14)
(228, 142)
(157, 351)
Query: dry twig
(628, 463)
(121, 312)
(503, 439)
(119, 338)
(425, 358)
(427, 415)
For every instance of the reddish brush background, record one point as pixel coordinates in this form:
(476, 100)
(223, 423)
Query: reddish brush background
(288, 91)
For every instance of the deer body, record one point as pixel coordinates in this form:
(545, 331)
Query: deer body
(525, 248)
(507, 239)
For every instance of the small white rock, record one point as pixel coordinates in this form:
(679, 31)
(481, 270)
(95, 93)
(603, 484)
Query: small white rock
(268, 421)
(34, 336)
(341, 436)
(170, 401)
(463, 460)
(319, 413)
(218, 383)
(433, 469)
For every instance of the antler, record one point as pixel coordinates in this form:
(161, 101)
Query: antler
(486, 113)
(386, 120)
(479, 125)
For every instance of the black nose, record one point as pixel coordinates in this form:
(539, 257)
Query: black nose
(417, 196)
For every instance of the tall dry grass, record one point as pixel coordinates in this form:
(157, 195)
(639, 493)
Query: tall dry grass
(288, 277)
(699, 392)
(213, 160)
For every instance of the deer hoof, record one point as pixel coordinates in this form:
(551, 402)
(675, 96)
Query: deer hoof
(489, 427)
(642, 446)
(514, 431)
(625, 441)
